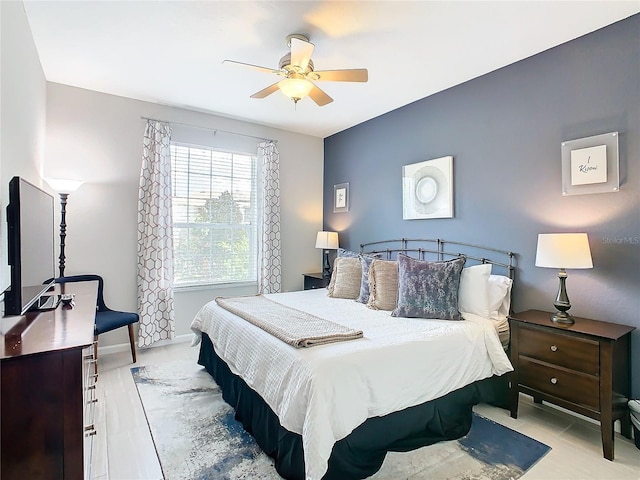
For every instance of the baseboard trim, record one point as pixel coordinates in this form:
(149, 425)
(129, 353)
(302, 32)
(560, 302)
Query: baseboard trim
(125, 347)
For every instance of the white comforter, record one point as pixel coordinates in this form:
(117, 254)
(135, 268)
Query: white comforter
(323, 393)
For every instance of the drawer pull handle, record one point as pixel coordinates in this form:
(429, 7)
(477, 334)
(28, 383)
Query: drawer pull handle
(554, 380)
(554, 348)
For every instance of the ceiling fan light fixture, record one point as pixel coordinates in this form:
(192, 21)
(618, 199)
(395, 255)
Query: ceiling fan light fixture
(295, 88)
(299, 75)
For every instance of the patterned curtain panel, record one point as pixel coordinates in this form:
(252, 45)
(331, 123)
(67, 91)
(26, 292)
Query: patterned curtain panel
(270, 273)
(155, 238)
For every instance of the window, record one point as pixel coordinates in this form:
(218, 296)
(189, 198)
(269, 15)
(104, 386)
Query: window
(214, 216)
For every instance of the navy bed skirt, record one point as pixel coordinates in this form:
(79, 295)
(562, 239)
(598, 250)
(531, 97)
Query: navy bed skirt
(362, 452)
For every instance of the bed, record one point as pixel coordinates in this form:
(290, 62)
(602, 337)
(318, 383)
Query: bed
(334, 410)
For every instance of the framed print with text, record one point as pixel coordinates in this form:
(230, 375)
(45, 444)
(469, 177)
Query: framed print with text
(341, 198)
(591, 165)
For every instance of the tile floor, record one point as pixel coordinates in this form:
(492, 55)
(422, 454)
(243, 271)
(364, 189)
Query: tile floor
(123, 448)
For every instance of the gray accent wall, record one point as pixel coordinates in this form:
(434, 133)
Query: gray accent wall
(504, 130)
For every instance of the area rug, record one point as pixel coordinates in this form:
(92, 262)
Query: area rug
(197, 437)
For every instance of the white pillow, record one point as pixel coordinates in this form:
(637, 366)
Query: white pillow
(499, 296)
(473, 293)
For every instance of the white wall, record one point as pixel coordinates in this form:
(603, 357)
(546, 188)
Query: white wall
(98, 138)
(22, 107)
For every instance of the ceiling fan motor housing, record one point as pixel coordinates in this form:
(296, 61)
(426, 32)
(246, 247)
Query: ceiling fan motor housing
(285, 64)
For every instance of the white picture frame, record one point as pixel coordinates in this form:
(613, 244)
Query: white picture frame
(427, 189)
(590, 165)
(341, 198)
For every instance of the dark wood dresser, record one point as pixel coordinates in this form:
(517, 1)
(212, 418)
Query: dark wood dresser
(48, 390)
(583, 367)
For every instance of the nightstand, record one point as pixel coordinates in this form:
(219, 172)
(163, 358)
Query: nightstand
(582, 367)
(315, 280)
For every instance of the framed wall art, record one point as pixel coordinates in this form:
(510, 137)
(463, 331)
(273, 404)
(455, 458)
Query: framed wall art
(591, 165)
(341, 198)
(427, 189)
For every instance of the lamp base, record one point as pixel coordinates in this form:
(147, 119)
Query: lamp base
(326, 267)
(562, 318)
(562, 302)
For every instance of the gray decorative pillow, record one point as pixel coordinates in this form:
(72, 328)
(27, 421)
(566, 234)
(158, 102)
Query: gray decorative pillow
(365, 262)
(383, 285)
(347, 253)
(428, 289)
(345, 279)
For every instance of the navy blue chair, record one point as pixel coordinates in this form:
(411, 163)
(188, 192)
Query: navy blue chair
(106, 319)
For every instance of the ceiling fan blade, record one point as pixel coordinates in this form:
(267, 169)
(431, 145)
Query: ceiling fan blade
(254, 67)
(353, 75)
(319, 96)
(301, 53)
(265, 92)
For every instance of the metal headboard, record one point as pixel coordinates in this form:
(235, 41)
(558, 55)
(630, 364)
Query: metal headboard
(438, 249)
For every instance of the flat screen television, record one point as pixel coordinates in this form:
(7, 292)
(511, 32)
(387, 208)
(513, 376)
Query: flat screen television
(31, 247)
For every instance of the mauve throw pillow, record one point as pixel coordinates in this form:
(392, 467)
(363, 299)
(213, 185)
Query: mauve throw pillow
(428, 289)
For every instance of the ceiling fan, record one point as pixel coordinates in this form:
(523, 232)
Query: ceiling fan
(297, 69)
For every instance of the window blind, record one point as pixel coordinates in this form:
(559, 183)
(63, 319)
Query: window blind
(214, 215)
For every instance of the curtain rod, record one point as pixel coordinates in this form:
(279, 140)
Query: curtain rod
(214, 130)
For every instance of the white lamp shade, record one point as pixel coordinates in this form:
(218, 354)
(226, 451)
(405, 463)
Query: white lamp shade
(327, 240)
(295, 88)
(64, 185)
(563, 250)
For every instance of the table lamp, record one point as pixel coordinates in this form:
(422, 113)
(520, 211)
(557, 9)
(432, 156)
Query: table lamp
(327, 241)
(563, 251)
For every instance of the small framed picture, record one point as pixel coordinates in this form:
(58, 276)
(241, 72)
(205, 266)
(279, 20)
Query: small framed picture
(341, 198)
(590, 165)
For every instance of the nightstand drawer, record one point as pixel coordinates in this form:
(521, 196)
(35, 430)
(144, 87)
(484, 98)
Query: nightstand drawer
(580, 354)
(568, 385)
(315, 280)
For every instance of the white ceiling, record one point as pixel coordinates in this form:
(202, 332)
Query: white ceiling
(171, 52)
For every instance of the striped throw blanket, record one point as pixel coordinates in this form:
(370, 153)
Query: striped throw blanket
(294, 327)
